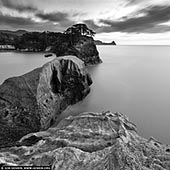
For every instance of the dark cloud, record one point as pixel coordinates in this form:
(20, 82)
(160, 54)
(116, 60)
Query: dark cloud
(54, 17)
(61, 18)
(91, 24)
(16, 5)
(15, 21)
(149, 22)
(157, 29)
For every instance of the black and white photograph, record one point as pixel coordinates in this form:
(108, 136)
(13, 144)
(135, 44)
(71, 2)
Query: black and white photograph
(84, 84)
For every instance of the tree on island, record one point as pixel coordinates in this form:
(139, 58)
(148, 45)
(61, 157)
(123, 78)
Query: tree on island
(80, 29)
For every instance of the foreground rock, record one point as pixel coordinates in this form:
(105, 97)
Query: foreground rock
(33, 101)
(89, 141)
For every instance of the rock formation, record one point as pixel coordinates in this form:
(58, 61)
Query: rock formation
(33, 101)
(98, 42)
(81, 46)
(89, 141)
(87, 50)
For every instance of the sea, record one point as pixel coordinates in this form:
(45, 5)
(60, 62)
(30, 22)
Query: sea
(133, 80)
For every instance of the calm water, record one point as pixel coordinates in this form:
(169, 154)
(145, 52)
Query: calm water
(134, 80)
(14, 63)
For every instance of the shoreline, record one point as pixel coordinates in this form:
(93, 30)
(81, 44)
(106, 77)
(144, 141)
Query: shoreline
(16, 51)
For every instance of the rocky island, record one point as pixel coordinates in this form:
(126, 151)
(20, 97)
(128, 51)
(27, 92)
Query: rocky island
(98, 42)
(78, 40)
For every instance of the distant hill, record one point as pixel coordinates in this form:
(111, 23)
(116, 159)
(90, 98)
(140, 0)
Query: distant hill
(98, 42)
(17, 33)
(8, 37)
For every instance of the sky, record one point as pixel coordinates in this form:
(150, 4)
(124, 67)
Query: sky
(130, 22)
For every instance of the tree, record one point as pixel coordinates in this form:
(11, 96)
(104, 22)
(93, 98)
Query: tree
(80, 29)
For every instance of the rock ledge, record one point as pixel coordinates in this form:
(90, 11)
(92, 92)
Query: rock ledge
(89, 141)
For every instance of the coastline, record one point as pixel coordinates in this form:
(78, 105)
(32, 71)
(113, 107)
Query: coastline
(17, 51)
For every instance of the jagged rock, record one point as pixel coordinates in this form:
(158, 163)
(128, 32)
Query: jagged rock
(33, 101)
(89, 141)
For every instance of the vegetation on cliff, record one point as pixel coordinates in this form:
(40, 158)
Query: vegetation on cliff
(9, 37)
(79, 29)
(41, 41)
(37, 41)
(78, 40)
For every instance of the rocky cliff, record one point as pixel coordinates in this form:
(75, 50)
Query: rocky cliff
(89, 141)
(33, 101)
(81, 46)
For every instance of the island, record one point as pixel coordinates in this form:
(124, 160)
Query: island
(98, 42)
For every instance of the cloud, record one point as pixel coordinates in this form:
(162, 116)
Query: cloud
(62, 19)
(132, 2)
(54, 17)
(15, 21)
(144, 18)
(17, 5)
(149, 22)
(37, 18)
(147, 2)
(91, 24)
(158, 29)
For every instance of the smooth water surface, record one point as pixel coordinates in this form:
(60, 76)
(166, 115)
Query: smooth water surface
(15, 63)
(134, 80)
